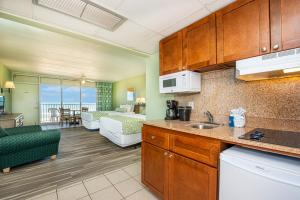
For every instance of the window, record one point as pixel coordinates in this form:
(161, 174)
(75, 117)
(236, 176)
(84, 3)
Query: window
(88, 98)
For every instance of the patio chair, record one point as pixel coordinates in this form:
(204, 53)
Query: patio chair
(84, 109)
(65, 115)
(54, 114)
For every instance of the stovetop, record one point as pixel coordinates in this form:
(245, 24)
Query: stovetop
(283, 138)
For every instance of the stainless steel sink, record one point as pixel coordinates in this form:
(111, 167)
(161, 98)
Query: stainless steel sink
(205, 125)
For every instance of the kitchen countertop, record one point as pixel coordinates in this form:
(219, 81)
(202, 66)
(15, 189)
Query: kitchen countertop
(225, 134)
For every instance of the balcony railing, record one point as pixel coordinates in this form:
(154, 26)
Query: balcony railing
(45, 114)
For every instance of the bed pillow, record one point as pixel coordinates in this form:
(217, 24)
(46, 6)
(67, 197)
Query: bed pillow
(122, 110)
(126, 107)
(3, 132)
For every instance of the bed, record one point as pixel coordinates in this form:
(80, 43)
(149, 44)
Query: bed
(90, 120)
(123, 130)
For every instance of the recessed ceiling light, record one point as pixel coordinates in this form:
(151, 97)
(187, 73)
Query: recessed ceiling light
(86, 11)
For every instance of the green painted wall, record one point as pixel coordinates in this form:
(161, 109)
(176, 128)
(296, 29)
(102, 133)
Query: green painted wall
(155, 102)
(5, 75)
(120, 89)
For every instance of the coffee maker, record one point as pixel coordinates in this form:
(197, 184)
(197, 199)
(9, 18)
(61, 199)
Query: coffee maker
(172, 110)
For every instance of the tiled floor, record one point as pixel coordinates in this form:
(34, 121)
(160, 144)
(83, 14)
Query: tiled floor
(121, 184)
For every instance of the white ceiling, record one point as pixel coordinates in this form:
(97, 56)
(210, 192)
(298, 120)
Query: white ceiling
(29, 49)
(148, 20)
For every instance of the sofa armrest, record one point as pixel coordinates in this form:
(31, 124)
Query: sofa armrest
(19, 142)
(24, 129)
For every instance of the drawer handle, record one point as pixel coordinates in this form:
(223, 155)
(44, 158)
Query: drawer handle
(152, 137)
(166, 153)
(171, 155)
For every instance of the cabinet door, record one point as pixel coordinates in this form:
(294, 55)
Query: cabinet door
(191, 180)
(155, 169)
(199, 44)
(170, 50)
(243, 30)
(285, 29)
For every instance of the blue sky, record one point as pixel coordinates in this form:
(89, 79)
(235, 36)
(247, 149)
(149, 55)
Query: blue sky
(52, 94)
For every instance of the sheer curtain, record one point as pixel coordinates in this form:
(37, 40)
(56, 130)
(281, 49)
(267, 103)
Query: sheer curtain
(104, 96)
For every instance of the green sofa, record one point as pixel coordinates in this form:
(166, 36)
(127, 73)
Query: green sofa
(26, 144)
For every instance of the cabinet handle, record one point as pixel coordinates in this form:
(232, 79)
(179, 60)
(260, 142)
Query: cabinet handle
(276, 46)
(171, 155)
(264, 49)
(166, 153)
(152, 137)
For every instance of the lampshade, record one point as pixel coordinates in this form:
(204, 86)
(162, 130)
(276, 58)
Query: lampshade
(9, 85)
(140, 100)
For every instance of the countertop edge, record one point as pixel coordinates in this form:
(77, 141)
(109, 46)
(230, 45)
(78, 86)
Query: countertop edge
(278, 149)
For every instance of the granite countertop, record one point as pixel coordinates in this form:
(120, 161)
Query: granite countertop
(225, 134)
(9, 116)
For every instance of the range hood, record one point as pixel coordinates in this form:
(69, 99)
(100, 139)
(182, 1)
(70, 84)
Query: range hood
(274, 65)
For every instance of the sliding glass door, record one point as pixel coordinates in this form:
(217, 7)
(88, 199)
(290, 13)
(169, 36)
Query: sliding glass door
(50, 100)
(88, 96)
(71, 95)
(56, 94)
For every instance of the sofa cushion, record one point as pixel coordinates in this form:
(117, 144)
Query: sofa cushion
(20, 142)
(3, 132)
(23, 129)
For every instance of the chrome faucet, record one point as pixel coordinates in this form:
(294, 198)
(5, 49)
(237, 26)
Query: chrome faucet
(209, 116)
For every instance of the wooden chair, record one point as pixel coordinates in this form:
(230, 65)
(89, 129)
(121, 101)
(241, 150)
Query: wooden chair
(65, 115)
(77, 118)
(84, 109)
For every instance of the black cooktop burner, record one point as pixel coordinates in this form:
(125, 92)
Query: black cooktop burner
(283, 138)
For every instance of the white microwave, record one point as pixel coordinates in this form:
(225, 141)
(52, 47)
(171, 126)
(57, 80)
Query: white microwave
(180, 82)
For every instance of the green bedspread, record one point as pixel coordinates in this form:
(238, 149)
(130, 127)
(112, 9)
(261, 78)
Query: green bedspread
(130, 125)
(98, 114)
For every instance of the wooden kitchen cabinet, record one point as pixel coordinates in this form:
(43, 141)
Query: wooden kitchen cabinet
(199, 44)
(192, 180)
(155, 169)
(170, 53)
(243, 30)
(177, 166)
(285, 29)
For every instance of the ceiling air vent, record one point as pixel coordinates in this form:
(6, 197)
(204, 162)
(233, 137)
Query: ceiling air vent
(86, 11)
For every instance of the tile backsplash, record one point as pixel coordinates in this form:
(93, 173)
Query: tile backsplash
(276, 100)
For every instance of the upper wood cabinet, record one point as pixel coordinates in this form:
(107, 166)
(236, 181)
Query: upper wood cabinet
(170, 51)
(285, 29)
(199, 44)
(243, 30)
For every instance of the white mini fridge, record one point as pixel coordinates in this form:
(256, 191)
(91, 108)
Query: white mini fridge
(254, 175)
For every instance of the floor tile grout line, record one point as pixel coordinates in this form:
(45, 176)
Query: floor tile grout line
(56, 193)
(86, 190)
(119, 181)
(115, 188)
(134, 193)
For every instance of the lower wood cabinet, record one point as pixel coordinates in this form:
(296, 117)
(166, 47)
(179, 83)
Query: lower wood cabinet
(155, 169)
(175, 173)
(191, 180)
